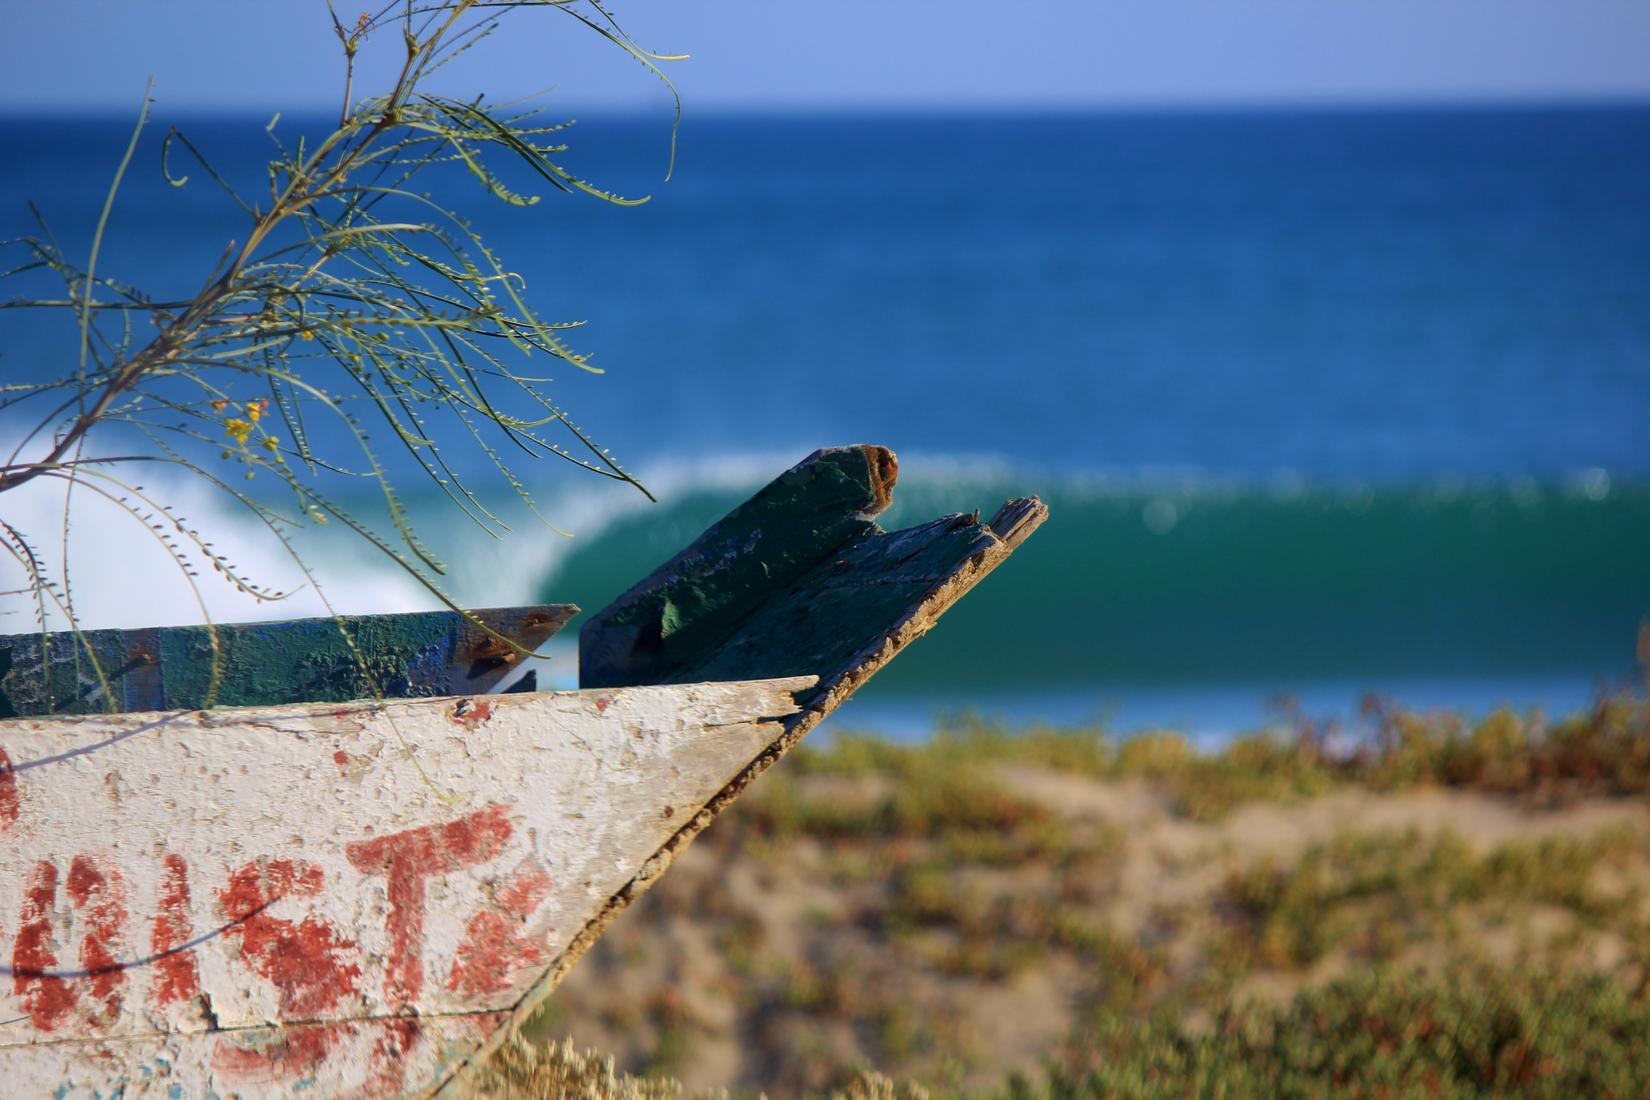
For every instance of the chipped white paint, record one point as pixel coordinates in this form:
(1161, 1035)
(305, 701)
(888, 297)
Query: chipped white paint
(178, 884)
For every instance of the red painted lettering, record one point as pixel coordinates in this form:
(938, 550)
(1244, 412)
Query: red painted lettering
(396, 1039)
(176, 978)
(407, 859)
(99, 894)
(295, 1053)
(8, 793)
(494, 944)
(46, 1000)
(305, 960)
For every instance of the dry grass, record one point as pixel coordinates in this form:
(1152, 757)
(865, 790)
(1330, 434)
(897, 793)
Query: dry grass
(1441, 906)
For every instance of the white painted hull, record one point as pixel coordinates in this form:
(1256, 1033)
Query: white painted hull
(278, 902)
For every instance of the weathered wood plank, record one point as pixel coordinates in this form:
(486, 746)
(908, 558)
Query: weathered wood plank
(205, 874)
(265, 664)
(831, 618)
(698, 598)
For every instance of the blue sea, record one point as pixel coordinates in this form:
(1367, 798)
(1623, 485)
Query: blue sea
(1324, 403)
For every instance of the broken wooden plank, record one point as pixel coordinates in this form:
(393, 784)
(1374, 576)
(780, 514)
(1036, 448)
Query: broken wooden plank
(793, 611)
(264, 664)
(315, 899)
(826, 619)
(697, 599)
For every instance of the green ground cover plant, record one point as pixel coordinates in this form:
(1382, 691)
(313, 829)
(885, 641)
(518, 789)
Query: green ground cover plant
(1602, 750)
(1440, 907)
(1472, 1032)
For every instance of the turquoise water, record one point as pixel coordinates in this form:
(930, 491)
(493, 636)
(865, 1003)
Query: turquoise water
(1198, 603)
(1322, 402)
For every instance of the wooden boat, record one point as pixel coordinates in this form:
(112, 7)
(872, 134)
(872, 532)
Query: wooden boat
(300, 892)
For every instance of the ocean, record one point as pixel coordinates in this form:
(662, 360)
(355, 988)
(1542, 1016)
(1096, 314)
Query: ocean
(1325, 403)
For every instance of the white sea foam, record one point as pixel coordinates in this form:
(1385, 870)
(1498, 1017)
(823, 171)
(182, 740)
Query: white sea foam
(496, 572)
(122, 576)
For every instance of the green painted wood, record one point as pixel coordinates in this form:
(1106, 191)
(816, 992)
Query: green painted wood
(799, 581)
(264, 664)
(698, 598)
(849, 615)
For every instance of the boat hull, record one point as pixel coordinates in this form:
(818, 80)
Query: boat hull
(345, 898)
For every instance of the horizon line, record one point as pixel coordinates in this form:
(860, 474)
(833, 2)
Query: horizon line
(822, 109)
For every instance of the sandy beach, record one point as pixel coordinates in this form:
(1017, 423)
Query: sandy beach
(957, 913)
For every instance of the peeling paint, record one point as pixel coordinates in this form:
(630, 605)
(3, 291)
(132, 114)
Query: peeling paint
(470, 713)
(258, 883)
(420, 654)
(699, 597)
(176, 977)
(8, 793)
(407, 859)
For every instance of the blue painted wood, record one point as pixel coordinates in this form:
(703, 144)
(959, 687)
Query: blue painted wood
(261, 664)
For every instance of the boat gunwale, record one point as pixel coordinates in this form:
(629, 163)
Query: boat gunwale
(215, 717)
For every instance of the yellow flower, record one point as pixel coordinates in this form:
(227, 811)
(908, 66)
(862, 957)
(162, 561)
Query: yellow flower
(270, 444)
(237, 429)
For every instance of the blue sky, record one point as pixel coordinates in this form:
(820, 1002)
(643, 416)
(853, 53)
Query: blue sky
(270, 54)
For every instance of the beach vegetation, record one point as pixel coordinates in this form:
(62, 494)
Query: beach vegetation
(1602, 750)
(1468, 1033)
(1435, 906)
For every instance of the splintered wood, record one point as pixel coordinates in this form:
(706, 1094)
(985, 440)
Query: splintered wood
(363, 899)
(844, 597)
